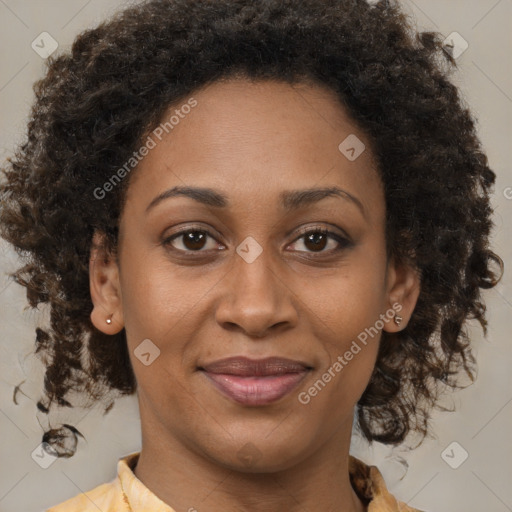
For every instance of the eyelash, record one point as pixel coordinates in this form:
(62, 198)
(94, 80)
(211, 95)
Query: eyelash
(343, 242)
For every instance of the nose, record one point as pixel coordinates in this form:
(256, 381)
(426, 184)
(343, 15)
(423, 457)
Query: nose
(257, 298)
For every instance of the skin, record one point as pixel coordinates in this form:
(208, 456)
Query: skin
(251, 141)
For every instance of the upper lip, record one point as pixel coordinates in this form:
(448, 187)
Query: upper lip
(246, 367)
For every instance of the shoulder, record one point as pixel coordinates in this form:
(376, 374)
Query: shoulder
(370, 486)
(106, 497)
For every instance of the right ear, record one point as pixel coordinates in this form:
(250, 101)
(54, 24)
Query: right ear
(107, 313)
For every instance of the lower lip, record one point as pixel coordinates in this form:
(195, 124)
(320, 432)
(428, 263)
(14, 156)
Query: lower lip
(256, 390)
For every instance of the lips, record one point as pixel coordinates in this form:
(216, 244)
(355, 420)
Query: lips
(255, 382)
(245, 367)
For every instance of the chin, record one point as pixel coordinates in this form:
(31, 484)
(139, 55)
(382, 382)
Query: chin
(258, 454)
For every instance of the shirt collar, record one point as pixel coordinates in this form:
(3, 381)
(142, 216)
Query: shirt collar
(140, 498)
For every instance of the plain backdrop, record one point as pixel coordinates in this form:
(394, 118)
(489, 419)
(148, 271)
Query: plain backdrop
(479, 429)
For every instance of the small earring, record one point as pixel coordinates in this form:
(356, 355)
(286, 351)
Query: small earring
(398, 319)
(109, 320)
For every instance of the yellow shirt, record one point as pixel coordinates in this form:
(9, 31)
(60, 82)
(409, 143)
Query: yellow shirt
(127, 492)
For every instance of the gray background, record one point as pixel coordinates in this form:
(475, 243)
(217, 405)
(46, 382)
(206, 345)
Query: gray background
(483, 417)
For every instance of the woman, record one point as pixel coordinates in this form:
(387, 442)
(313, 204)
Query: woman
(267, 219)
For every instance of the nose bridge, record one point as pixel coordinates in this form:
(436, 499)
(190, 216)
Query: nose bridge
(254, 273)
(256, 298)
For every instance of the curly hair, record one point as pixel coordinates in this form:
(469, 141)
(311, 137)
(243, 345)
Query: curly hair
(97, 102)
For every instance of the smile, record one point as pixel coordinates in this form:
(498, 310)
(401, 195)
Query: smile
(256, 390)
(255, 382)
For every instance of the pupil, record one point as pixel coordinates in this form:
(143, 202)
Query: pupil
(315, 237)
(191, 240)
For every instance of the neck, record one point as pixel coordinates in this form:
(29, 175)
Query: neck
(187, 480)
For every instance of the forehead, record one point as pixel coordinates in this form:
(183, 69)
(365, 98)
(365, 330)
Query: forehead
(256, 139)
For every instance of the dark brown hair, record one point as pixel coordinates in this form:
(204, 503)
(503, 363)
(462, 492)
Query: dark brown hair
(96, 103)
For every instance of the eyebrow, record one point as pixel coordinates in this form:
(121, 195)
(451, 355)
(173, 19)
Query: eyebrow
(290, 199)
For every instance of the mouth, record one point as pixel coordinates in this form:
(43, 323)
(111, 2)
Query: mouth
(255, 382)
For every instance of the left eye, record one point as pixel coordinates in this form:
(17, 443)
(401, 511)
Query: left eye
(316, 240)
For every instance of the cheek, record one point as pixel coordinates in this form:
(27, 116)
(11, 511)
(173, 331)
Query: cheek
(347, 320)
(335, 390)
(348, 301)
(154, 297)
(350, 334)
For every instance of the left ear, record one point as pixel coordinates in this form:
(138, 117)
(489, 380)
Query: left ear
(403, 289)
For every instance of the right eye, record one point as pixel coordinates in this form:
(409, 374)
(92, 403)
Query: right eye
(189, 240)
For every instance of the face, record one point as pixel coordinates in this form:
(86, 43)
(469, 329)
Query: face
(246, 260)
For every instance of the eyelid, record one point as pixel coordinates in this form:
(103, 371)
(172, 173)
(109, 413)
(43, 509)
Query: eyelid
(336, 231)
(344, 241)
(167, 239)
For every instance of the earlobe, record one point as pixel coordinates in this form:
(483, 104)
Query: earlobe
(404, 284)
(107, 313)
